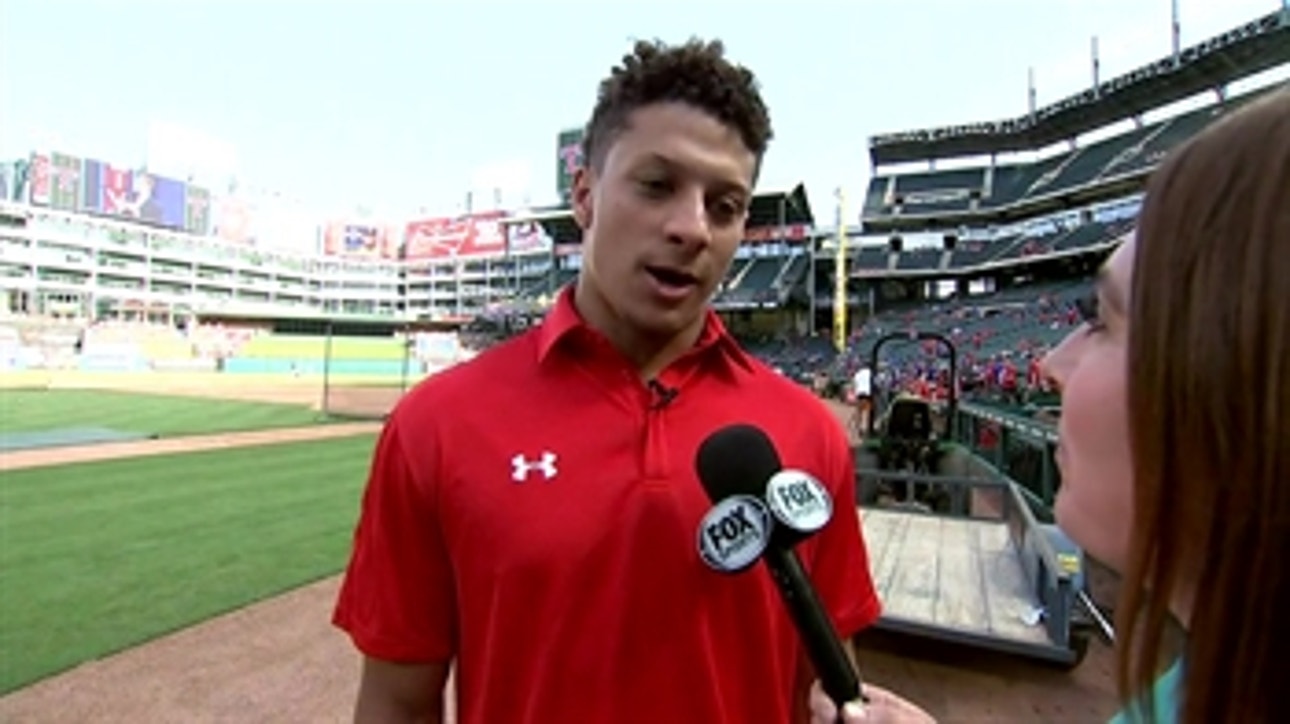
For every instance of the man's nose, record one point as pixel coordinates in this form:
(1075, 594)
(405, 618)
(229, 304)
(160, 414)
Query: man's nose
(687, 221)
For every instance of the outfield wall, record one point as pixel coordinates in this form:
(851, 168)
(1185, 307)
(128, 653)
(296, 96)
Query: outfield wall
(127, 349)
(315, 355)
(315, 366)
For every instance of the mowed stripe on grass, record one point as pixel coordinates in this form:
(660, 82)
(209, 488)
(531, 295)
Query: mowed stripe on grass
(30, 410)
(102, 556)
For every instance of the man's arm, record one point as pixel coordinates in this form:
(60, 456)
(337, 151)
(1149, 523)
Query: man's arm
(391, 693)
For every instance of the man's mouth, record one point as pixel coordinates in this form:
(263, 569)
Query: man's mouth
(669, 277)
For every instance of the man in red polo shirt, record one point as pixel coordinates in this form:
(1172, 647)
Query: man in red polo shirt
(531, 516)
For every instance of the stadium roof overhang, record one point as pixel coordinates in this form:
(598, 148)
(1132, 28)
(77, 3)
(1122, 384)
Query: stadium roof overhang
(767, 209)
(1253, 47)
(780, 208)
(319, 322)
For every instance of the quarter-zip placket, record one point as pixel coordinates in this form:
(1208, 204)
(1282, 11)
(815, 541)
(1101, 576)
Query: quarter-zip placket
(660, 399)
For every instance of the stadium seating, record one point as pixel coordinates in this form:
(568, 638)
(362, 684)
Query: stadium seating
(1013, 325)
(309, 354)
(38, 341)
(1006, 248)
(762, 280)
(994, 188)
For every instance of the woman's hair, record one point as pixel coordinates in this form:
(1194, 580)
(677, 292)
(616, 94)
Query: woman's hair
(1209, 401)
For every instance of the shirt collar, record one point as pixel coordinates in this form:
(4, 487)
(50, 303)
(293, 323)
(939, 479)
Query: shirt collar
(563, 320)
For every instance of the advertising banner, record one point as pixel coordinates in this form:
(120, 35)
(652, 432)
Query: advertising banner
(8, 181)
(92, 186)
(197, 210)
(18, 180)
(234, 219)
(127, 194)
(446, 237)
(114, 189)
(65, 182)
(357, 240)
(787, 233)
(155, 199)
(568, 152)
(525, 236)
(568, 249)
(38, 180)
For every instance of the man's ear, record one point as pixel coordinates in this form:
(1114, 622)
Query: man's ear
(583, 179)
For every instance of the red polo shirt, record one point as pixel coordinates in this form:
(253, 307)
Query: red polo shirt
(533, 514)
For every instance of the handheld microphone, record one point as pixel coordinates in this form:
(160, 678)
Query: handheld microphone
(742, 474)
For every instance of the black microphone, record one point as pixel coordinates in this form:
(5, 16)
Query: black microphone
(742, 474)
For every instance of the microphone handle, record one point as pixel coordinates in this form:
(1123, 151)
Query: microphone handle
(837, 675)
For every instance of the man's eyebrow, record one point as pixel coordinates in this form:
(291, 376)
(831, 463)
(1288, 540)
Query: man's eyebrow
(724, 186)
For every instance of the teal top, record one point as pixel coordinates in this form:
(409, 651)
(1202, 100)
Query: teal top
(1165, 695)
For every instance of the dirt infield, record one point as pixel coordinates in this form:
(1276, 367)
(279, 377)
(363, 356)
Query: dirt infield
(274, 661)
(281, 661)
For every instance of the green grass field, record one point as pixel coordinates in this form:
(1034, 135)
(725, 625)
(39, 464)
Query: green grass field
(30, 410)
(80, 379)
(98, 557)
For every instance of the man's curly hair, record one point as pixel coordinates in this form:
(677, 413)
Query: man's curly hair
(696, 73)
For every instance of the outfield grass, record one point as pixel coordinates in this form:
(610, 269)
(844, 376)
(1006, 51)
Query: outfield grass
(30, 410)
(98, 557)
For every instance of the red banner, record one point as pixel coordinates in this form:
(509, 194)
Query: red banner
(38, 180)
(460, 236)
(762, 234)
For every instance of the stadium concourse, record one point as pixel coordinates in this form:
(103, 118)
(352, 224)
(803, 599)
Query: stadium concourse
(995, 252)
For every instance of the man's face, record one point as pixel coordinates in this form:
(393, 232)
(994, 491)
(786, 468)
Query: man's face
(662, 218)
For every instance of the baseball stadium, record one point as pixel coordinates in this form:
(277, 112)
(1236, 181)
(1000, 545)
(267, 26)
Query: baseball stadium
(187, 413)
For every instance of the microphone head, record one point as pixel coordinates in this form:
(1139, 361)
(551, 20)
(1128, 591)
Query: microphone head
(736, 460)
(799, 502)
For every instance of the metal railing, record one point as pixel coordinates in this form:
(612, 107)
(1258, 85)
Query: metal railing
(1020, 447)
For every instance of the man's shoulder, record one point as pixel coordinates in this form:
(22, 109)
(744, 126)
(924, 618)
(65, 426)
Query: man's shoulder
(789, 396)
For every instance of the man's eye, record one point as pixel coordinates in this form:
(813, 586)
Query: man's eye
(728, 208)
(654, 187)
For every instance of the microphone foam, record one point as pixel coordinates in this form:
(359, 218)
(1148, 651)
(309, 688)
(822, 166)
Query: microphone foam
(736, 460)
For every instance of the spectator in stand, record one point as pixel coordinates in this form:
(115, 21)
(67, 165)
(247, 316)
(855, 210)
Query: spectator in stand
(1035, 380)
(1174, 468)
(1008, 381)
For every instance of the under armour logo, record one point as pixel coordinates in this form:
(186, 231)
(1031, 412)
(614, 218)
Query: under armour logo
(522, 466)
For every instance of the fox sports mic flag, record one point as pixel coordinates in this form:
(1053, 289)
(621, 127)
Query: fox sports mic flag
(798, 501)
(734, 533)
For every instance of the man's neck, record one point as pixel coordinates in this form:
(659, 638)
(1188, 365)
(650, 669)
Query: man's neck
(649, 354)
